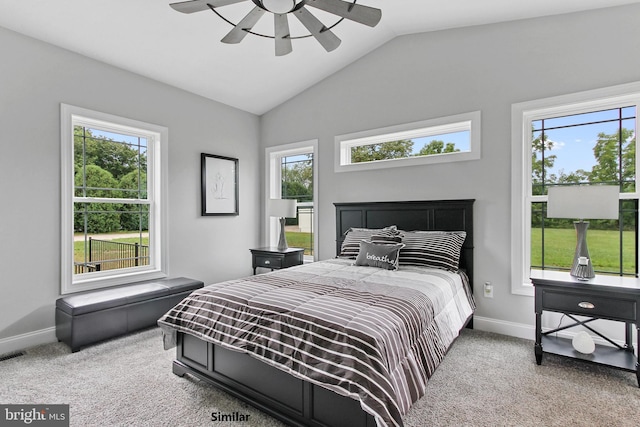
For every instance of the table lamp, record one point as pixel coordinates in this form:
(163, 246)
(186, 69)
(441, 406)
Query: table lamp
(579, 202)
(282, 208)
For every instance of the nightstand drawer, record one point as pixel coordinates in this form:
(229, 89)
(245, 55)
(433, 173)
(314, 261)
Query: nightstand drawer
(268, 261)
(275, 259)
(590, 305)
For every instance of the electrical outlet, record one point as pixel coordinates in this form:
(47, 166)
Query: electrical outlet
(488, 290)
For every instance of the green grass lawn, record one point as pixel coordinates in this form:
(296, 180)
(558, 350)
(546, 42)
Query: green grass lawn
(604, 248)
(300, 240)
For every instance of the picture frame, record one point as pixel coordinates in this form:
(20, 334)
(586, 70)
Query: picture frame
(219, 184)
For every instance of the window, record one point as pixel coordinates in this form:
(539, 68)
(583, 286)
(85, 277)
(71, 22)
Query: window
(581, 139)
(113, 175)
(442, 140)
(292, 171)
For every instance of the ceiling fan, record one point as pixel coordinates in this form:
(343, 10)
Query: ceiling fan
(280, 9)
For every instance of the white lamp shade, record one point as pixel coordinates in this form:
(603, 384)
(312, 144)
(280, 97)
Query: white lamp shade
(282, 208)
(583, 202)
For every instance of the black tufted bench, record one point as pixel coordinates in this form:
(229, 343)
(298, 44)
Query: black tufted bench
(89, 317)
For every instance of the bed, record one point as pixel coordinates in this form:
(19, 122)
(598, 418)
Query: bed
(331, 343)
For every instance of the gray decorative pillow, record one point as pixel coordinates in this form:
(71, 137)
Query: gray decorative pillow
(351, 243)
(381, 255)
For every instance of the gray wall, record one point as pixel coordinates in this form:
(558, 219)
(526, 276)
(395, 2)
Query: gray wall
(437, 74)
(35, 78)
(411, 78)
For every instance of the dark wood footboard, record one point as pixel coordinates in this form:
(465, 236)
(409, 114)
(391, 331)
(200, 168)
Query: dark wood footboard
(289, 399)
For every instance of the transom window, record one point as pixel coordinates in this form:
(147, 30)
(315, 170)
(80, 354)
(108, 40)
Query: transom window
(440, 140)
(112, 197)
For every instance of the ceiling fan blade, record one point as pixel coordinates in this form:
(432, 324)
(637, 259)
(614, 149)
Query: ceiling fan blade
(200, 5)
(282, 34)
(355, 12)
(246, 24)
(325, 37)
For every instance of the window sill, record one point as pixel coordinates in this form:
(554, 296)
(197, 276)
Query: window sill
(106, 282)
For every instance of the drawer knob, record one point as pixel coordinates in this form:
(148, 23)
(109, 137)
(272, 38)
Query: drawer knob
(586, 305)
(267, 262)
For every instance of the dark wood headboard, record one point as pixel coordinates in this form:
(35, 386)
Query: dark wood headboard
(438, 215)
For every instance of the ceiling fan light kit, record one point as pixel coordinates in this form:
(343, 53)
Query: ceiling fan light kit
(279, 6)
(281, 9)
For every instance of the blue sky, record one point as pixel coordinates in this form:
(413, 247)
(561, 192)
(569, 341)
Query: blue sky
(573, 146)
(118, 137)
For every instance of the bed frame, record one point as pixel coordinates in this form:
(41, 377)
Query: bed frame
(289, 399)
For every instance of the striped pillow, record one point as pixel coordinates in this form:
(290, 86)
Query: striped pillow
(437, 249)
(351, 244)
(382, 239)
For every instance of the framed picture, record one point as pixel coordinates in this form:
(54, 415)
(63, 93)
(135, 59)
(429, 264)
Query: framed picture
(219, 185)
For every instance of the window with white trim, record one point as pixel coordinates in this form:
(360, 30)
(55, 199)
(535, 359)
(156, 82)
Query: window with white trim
(113, 199)
(442, 140)
(582, 139)
(291, 174)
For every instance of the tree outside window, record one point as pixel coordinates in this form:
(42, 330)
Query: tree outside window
(585, 149)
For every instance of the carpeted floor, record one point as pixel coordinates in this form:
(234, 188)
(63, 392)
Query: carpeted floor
(485, 380)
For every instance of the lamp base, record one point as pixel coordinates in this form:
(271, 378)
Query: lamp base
(282, 242)
(582, 268)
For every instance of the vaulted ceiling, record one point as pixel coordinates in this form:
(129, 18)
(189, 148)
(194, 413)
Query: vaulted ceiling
(149, 38)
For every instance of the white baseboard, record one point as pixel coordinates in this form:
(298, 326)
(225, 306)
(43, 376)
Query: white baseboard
(503, 327)
(520, 330)
(30, 339)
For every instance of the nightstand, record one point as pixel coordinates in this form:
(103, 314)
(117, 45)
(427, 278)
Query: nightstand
(275, 259)
(603, 297)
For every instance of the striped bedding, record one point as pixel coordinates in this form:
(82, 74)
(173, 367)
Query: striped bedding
(372, 334)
